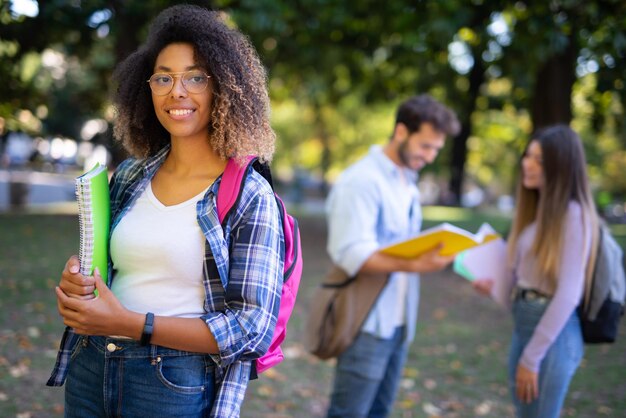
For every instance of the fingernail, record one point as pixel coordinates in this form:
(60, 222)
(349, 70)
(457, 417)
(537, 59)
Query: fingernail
(96, 271)
(73, 268)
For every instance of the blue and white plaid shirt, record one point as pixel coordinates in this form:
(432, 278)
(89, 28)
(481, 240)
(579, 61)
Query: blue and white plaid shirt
(242, 297)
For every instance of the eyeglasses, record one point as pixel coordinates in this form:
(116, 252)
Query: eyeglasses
(194, 81)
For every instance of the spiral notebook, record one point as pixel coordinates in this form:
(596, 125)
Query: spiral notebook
(94, 217)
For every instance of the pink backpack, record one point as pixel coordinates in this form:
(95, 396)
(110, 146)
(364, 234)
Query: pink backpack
(228, 194)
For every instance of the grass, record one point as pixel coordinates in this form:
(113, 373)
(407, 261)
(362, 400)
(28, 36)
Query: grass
(456, 366)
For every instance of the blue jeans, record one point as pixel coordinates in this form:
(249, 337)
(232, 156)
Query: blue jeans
(367, 376)
(111, 377)
(557, 367)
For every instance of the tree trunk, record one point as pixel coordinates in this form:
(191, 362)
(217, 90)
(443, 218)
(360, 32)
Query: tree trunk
(552, 95)
(322, 133)
(459, 144)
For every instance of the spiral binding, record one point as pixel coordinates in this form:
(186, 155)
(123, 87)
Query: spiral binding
(85, 225)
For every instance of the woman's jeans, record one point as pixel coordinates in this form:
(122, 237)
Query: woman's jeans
(367, 376)
(557, 367)
(111, 377)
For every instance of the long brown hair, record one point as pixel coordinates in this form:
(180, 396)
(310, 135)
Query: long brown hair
(565, 179)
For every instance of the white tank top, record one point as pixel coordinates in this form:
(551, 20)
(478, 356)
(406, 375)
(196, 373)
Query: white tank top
(158, 252)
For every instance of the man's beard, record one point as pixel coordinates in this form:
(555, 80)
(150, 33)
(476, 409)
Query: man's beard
(403, 156)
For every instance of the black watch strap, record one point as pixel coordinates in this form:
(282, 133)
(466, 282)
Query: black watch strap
(148, 326)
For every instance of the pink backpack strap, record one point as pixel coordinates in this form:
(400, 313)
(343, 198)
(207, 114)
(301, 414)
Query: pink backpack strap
(230, 186)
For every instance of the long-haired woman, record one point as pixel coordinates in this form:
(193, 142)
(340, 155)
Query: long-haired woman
(549, 249)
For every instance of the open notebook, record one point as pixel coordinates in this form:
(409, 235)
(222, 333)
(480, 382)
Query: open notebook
(453, 238)
(94, 217)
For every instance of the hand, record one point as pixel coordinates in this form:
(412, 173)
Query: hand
(526, 384)
(432, 261)
(483, 286)
(74, 284)
(103, 315)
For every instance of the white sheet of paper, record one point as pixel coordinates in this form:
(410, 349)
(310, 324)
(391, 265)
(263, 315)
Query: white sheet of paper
(487, 261)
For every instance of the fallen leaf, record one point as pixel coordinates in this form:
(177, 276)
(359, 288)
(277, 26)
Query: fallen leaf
(265, 391)
(440, 314)
(33, 332)
(483, 409)
(430, 384)
(431, 410)
(456, 365)
(274, 375)
(407, 384)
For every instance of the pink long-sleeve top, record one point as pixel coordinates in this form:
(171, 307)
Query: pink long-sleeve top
(567, 295)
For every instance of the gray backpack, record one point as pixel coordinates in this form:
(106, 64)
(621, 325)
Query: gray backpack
(603, 304)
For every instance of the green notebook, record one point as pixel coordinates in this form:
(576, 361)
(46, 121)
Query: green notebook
(94, 218)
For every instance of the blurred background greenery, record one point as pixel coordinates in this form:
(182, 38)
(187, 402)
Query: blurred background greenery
(337, 70)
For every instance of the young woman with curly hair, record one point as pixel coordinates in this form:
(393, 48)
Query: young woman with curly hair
(549, 253)
(166, 338)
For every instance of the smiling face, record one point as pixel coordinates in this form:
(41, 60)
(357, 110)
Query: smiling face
(182, 114)
(420, 148)
(532, 167)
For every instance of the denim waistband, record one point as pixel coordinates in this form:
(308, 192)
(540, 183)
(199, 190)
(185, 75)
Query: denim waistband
(124, 347)
(531, 295)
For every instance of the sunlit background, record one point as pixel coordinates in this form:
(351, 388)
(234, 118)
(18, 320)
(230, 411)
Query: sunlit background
(336, 75)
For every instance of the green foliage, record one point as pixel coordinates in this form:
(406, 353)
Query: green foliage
(338, 69)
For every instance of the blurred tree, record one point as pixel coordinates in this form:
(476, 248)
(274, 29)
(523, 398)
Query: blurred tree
(60, 72)
(337, 69)
(327, 53)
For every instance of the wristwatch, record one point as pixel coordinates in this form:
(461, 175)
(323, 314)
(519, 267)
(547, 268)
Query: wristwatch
(148, 326)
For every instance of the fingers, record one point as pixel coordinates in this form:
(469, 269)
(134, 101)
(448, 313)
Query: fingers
(483, 286)
(526, 384)
(99, 283)
(73, 311)
(527, 392)
(433, 261)
(72, 265)
(65, 302)
(75, 284)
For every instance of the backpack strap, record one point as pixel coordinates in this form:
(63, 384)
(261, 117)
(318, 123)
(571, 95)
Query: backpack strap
(230, 186)
(229, 192)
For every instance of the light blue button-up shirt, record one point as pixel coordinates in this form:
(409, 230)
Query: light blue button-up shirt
(375, 203)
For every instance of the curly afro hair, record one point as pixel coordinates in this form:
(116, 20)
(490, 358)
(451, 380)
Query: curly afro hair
(240, 116)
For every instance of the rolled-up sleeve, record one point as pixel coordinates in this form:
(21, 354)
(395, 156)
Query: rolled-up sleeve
(244, 329)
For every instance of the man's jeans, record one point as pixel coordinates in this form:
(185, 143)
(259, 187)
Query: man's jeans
(367, 376)
(111, 377)
(557, 367)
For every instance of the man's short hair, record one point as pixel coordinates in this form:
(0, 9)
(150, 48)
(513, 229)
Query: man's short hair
(425, 109)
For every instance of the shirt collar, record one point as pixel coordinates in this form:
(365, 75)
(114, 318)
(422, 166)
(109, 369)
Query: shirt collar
(376, 151)
(155, 161)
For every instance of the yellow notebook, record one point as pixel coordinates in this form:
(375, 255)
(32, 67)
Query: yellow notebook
(94, 217)
(453, 238)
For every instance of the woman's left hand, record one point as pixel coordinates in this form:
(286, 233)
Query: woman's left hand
(526, 384)
(98, 316)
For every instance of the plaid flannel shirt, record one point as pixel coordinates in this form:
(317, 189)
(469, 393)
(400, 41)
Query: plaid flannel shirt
(242, 276)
